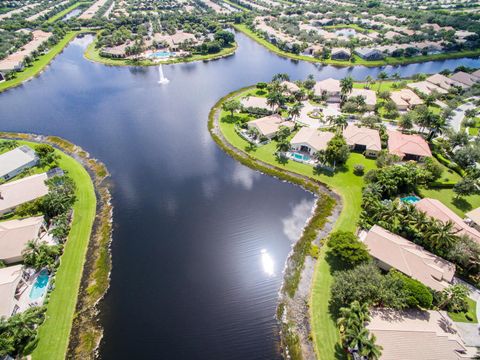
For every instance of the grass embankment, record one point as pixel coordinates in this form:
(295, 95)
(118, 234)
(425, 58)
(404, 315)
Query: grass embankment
(93, 54)
(349, 187)
(62, 13)
(356, 59)
(40, 63)
(53, 334)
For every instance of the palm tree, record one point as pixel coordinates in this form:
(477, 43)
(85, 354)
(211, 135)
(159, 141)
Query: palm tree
(370, 349)
(339, 121)
(275, 99)
(382, 76)
(283, 146)
(441, 236)
(369, 80)
(295, 110)
(438, 126)
(346, 86)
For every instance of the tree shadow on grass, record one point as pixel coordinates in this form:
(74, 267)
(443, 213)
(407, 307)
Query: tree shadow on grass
(462, 204)
(251, 148)
(229, 119)
(318, 170)
(281, 159)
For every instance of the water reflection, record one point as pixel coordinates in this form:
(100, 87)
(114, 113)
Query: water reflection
(294, 223)
(243, 176)
(267, 263)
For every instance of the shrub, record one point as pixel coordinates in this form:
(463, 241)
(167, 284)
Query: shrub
(359, 169)
(418, 295)
(345, 246)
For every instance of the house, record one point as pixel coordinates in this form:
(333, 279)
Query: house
(173, 42)
(465, 78)
(14, 61)
(369, 53)
(15, 193)
(10, 278)
(393, 251)
(116, 52)
(476, 73)
(443, 81)
(405, 99)
(255, 102)
(417, 334)
(290, 86)
(370, 97)
(437, 210)
(407, 147)
(15, 161)
(309, 140)
(330, 88)
(363, 139)
(426, 87)
(15, 234)
(340, 54)
(268, 126)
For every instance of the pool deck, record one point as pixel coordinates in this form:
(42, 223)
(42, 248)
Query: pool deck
(23, 302)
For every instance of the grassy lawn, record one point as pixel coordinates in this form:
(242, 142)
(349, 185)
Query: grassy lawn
(356, 59)
(54, 333)
(388, 85)
(345, 26)
(62, 13)
(93, 54)
(348, 186)
(39, 64)
(448, 197)
(462, 317)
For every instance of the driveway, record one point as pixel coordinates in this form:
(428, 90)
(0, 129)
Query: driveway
(459, 115)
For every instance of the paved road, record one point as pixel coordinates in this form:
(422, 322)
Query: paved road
(457, 119)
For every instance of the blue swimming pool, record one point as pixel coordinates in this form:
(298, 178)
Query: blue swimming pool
(411, 199)
(300, 157)
(40, 285)
(161, 54)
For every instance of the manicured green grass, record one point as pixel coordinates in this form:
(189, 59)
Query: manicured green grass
(388, 85)
(356, 59)
(93, 54)
(62, 13)
(53, 334)
(349, 187)
(39, 64)
(449, 198)
(462, 317)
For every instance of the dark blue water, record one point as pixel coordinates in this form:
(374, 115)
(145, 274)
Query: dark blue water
(199, 241)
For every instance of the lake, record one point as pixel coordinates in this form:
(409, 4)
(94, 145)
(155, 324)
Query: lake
(199, 240)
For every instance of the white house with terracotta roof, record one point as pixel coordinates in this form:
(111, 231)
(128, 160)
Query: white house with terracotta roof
(290, 86)
(255, 102)
(10, 278)
(415, 334)
(436, 209)
(393, 251)
(15, 234)
(363, 139)
(426, 87)
(405, 99)
(328, 87)
(309, 140)
(465, 78)
(408, 147)
(269, 125)
(15, 193)
(15, 161)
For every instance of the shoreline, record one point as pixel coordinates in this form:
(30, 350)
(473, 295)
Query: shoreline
(360, 62)
(93, 55)
(293, 313)
(85, 332)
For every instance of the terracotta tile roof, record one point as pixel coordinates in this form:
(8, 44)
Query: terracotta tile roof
(409, 258)
(355, 135)
(269, 125)
(317, 140)
(403, 144)
(21, 191)
(437, 210)
(9, 278)
(465, 78)
(443, 81)
(405, 97)
(328, 85)
(15, 234)
(369, 95)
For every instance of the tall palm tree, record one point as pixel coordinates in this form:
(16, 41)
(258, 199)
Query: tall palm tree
(275, 99)
(441, 236)
(370, 349)
(369, 80)
(283, 146)
(346, 86)
(382, 77)
(295, 110)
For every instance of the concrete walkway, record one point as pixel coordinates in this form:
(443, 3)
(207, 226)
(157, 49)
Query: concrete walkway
(459, 115)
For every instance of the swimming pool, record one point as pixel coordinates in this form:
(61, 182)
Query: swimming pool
(161, 54)
(411, 199)
(300, 157)
(40, 285)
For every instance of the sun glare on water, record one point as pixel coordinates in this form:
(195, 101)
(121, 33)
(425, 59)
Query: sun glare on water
(267, 262)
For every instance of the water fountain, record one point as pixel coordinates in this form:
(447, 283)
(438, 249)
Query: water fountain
(163, 79)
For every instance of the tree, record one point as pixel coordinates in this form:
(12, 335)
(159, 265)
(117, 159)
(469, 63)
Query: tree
(406, 121)
(345, 246)
(337, 151)
(231, 106)
(60, 197)
(283, 133)
(276, 99)
(434, 169)
(47, 157)
(339, 121)
(382, 76)
(226, 37)
(40, 255)
(346, 86)
(295, 110)
(454, 298)
(369, 349)
(465, 187)
(283, 146)
(281, 77)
